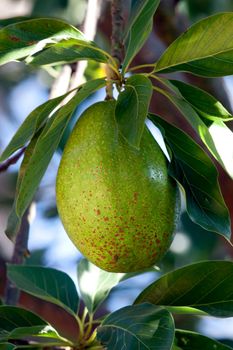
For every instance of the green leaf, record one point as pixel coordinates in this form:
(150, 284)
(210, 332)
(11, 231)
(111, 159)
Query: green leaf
(196, 123)
(139, 28)
(47, 144)
(25, 38)
(14, 221)
(143, 327)
(7, 346)
(47, 284)
(132, 108)
(205, 49)
(206, 286)
(190, 341)
(12, 317)
(219, 132)
(31, 125)
(44, 335)
(204, 103)
(94, 293)
(68, 51)
(196, 173)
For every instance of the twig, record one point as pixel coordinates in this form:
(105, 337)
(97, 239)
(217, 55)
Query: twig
(12, 160)
(117, 47)
(19, 255)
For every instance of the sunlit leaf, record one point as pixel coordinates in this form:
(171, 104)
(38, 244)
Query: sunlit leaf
(207, 286)
(47, 284)
(143, 327)
(132, 108)
(196, 123)
(25, 38)
(204, 103)
(196, 173)
(205, 49)
(102, 282)
(68, 51)
(45, 335)
(139, 27)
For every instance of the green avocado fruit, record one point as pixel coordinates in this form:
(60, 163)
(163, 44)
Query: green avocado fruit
(117, 204)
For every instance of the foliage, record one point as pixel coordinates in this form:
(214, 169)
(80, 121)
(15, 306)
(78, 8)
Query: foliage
(202, 288)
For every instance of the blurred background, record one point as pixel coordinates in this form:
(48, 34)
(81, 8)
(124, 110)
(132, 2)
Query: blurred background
(22, 89)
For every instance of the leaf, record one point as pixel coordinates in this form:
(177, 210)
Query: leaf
(219, 132)
(94, 293)
(7, 346)
(196, 173)
(68, 51)
(14, 221)
(196, 123)
(143, 327)
(47, 284)
(204, 103)
(12, 317)
(190, 341)
(31, 125)
(132, 108)
(47, 144)
(44, 335)
(25, 38)
(205, 49)
(206, 286)
(139, 28)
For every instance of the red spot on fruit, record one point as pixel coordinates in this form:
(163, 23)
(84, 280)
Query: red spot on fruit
(158, 241)
(106, 219)
(97, 211)
(121, 229)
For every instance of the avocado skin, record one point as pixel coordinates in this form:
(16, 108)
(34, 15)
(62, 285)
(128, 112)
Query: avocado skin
(117, 204)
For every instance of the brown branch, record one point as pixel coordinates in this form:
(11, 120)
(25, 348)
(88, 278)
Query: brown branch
(117, 47)
(19, 255)
(12, 160)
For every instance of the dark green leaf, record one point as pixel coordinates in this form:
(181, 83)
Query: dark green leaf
(47, 284)
(31, 125)
(196, 173)
(204, 103)
(7, 346)
(47, 144)
(139, 28)
(68, 51)
(204, 49)
(187, 340)
(44, 334)
(207, 286)
(143, 327)
(101, 284)
(132, 108)
(197, 124)
(25, 38)
(12, 317)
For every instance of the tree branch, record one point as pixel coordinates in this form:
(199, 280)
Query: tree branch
(12, 160)
(117, 47)
(19, 255)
